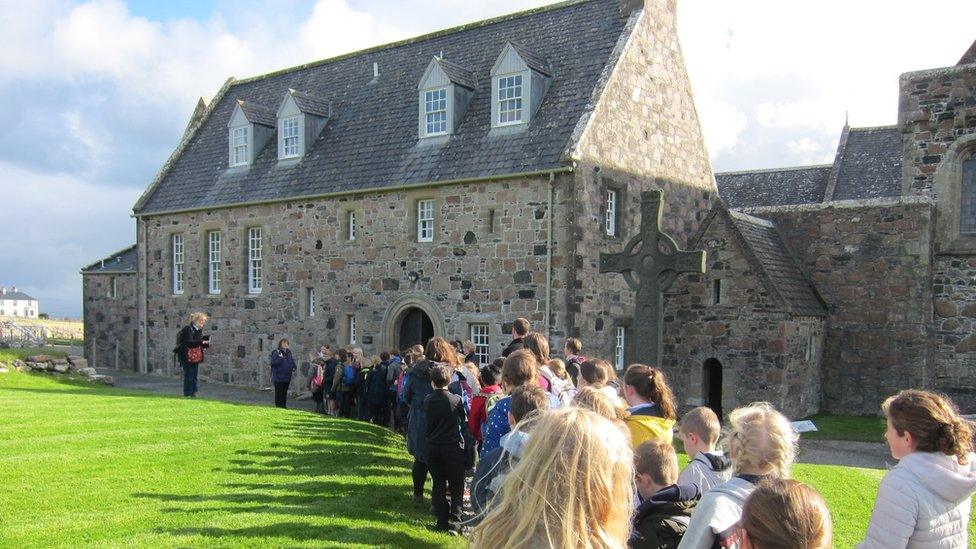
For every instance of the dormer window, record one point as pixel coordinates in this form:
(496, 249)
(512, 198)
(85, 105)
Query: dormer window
(289, 137)
(435, 111)
(519, 81)
(239, 156)
(510, 99)
(445, 90)
(249, 128)
(301, 118)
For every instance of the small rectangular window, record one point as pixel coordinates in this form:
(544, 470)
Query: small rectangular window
(351, 225)
(811, 348)
(239, 156)
(254, 263)
(435, 111)
(213, 262)
(967, 210)
(177, 264)
(310, 301)
(479, 336)
(510, 99)
(611, 213)
(113, 288)
(491, 221)
(425, 220)
(351, 326)
(619, 349)
(717, 296)
(289, 137)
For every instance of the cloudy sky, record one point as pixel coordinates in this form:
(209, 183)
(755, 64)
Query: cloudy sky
(94, 95)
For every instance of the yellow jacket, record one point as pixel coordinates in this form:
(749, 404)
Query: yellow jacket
(645, 424)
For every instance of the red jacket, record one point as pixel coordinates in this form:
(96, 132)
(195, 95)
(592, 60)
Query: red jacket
(479, 414)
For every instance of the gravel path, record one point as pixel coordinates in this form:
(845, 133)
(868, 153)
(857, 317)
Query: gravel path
(872, 455)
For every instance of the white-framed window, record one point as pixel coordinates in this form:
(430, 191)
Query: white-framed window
(254, 264)
(425, 220)
(213, 262)
(611, 214)
(435, 112)
(113, 287)
(510, 99)
(177, 247)
(479, 336)
(310, 301)
(618, 351)
(351, 225)
(289, 137)
(351, 327)
(239, 144)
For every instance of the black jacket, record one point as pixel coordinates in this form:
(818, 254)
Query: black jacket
(190, 336)
(445, 418)
(515, 345)
(661, 521)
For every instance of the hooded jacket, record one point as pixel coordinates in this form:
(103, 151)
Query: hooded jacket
(493, 468)
(708, 469)
(713, 524)
(923, 502)
(661, 520)
(648, 423)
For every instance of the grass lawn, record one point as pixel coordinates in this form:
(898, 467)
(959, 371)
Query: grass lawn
(97, 466)
(9, 355)
(840, 427)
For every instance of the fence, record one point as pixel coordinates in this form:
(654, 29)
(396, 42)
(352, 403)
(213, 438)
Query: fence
(114, 354)
(14, 334)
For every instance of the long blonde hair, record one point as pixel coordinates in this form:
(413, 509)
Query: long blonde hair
(573, 487)
(761, 441)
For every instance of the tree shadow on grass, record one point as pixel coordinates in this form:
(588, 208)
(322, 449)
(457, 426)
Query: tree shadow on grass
(337, 481)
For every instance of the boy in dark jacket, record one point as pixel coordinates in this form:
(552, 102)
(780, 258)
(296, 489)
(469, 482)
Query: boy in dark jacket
(445, 448)
(662, 518)
(376, 391)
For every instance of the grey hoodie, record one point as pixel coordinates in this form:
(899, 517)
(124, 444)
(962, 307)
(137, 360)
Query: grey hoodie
(923, 502)
(716, 515)
(706, 470)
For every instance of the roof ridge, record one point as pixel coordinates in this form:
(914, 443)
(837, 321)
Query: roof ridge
(751, 219)
(868, 128)
(769, 170)
(419, 38)
(109, 256)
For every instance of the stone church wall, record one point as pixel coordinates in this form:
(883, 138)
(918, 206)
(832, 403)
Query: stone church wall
(643, 134)
(110, 322)
(953, 364)
(487, 264)
(871, 261)
(761, 348)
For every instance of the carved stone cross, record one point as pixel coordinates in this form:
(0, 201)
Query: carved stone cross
(656, 260)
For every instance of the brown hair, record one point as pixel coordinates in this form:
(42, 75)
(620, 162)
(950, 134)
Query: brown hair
(521, 326)
(527, 399)
(385, 355)
(574, 345)
(786, 514)
(539, 345)
(658, 460)
(439, 350)
(520, 369)
(933, 421)
(342, 354)
(703, 422)
(650, 384)
(558, 368)
(440, 376)
(596, 372)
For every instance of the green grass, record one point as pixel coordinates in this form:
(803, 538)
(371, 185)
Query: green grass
(84, 465)
(9, 355)
(69, 341)
(855, 428)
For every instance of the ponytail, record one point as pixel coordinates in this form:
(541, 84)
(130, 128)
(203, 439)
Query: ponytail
(933, 421)
(650, 383)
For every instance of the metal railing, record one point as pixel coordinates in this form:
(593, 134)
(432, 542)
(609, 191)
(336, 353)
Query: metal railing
(15, 334)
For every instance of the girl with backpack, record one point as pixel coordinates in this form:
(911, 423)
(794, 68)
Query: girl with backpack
(344, 382)
(491, 392)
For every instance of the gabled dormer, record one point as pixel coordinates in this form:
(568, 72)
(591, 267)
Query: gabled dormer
(249, 128)
(445, 90)
(519, 81)
(301, 118)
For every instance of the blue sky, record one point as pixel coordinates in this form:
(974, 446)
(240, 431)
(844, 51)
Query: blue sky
(94, 94)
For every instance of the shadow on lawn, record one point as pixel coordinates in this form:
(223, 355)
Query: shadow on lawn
(347, 480)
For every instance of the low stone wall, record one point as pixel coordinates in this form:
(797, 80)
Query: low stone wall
(71, 366)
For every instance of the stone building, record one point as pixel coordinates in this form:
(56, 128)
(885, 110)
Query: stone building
(110, 314)
(441, 185)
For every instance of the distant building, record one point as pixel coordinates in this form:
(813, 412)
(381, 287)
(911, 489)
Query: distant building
(109, 295)
(16, 303)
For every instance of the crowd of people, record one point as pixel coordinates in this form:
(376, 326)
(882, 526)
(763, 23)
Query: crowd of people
(564, 453)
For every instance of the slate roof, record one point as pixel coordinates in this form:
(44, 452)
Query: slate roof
(769, 256)
(870, 164)
(18, 296)
(779, 187)
(969, 56)
(458, 74)
(309, 104)
(258, 114)
(371, 139)
(123, 261)
(535, 61)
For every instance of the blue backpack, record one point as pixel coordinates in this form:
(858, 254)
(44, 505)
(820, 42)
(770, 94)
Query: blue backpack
(348, 375)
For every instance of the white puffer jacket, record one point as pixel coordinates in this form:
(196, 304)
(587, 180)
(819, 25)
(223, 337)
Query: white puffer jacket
(923, 502)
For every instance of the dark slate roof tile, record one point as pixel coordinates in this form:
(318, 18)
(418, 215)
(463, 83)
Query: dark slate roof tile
(778, 187)
(258, 114)
(125, 261)
(371, 141)
(458, 74)
(10, 295)
(870, 164)
(535, 61)
(309, 104)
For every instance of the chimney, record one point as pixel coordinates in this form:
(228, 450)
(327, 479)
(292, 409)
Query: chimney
(13, 289)
(3, 290)
(376, 70)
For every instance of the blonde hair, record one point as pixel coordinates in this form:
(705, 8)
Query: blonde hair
(592, 399)
(558, 368)
(198, 316)
(761, 441)
(703, 422)
(573, 487)
(782, 513)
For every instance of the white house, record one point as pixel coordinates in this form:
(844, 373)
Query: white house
(17, 303)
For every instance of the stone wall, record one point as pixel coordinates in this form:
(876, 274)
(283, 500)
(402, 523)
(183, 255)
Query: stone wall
(643, 134)
(762, 349)
(110, 322)
(954, 343)
(487, 264)
(871, 261)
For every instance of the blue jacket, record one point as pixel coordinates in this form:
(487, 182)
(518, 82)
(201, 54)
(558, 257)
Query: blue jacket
(282, 366)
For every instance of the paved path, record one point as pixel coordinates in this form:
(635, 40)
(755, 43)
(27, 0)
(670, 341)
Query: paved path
(873, 455)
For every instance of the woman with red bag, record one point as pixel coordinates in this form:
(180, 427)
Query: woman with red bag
(189, 348)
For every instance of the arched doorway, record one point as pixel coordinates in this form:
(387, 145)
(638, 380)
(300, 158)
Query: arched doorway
(415, 327)
(712, 386)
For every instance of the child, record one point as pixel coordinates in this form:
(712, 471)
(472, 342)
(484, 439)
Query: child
(783, 513)
(662, 517)
(377, 389)
(494, 465)
(652, 411)
(482, 403)
(520, 369)
(445, 448)
(571, 350)
(924, 501)
(344, 382)
(699, 430)
(562, 385)
(573, 487)
(594, 400)
(761, 445)
(596, 373)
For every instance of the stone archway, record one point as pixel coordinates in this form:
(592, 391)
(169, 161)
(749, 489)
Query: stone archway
(411, 308)
(415, 327)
